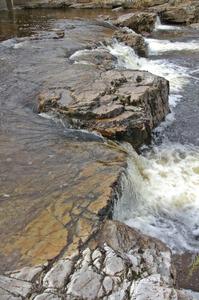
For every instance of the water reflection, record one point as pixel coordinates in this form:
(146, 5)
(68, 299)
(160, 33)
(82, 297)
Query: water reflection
(21, 23)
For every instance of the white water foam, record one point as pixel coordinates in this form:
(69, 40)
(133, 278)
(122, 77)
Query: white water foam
(161, 195)
(157, 47)
(161, 188)
(160, 26)
(127, 58)
(13, 43)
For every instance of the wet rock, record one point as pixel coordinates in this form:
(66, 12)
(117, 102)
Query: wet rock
(140, 22)
(124, 105)
(132, 39)
(187, 265)
(116, 277)
(99, 57)
(185, 13)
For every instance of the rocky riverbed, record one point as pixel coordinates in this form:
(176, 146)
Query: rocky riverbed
(66, 101)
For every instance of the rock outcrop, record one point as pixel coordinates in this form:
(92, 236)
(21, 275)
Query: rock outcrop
(120, 104)
(133, 40)
(140, 22)
(117, 263)
(185, 13)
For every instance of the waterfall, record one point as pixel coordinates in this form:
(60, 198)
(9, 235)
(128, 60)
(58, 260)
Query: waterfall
(160, 26)
(127, 58)
(159, 47)
(160, 195)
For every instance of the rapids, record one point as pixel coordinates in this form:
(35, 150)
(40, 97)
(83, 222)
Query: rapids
(161, 186)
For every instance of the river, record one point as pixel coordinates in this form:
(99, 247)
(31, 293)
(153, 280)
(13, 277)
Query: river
(161, 186)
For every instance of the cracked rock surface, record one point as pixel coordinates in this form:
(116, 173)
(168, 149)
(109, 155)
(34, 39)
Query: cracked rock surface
(117, 263)
(120, 104)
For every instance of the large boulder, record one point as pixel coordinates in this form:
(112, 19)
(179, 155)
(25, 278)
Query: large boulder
(133, 40)
(120, 104)
(181, 14)
(140, 22)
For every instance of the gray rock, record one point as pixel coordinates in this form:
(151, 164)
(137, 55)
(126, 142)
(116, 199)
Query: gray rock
(5, 295)
(124, 105)
(108, 284)
(99, 57)
(114, 265)
(26, 273)
(47, 296)
(152, 288)
(85, 284)
(185, 13)
(15, 286)
(58, 274)
(133, 40)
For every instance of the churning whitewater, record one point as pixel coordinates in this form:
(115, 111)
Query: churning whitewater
(161, 186)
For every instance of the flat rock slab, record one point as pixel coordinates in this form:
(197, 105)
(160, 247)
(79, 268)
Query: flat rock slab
(54, 181)
(14, 286)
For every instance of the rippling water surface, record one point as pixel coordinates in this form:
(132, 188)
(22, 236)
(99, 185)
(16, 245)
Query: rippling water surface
(162, 185)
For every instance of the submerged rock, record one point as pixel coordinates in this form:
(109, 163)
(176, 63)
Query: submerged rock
(100, 57)
(140, 22)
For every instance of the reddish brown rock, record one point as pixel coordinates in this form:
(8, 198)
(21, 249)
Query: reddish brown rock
(124, 105)
(187, 265)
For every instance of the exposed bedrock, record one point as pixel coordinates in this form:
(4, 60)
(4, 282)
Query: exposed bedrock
(184, 13)
(120, 104)
(117, 263)
(140, 22)
(133, 40)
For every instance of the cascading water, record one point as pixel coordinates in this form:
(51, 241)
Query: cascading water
(161, 46)
(161, 186)
(160, 196)
(160, 26)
